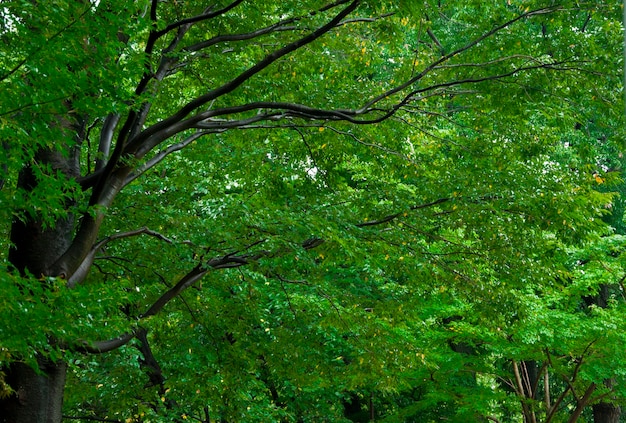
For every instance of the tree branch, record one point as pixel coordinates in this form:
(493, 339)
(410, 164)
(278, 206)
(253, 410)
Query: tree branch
(81, 272)
(279, 26)
(436, 41)
(582, 403)
(452, 54)
(282, 110)
(100, 347)
(106, 136)
(164, 153)
(156, 133)
(91, 419)
(22, 62)
(194, 275)
(198, 18)
(391, 217)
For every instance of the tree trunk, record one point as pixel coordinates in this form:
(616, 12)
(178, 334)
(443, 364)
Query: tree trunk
(605, 412)
(38, 394)
(38, 397)
(37, 246)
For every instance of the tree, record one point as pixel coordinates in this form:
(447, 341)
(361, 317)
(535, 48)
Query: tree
(128, 182)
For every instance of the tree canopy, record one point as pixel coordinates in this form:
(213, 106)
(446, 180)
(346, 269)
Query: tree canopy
(311, 211)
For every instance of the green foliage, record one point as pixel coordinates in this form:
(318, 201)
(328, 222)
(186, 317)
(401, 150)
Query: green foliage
(402, 267)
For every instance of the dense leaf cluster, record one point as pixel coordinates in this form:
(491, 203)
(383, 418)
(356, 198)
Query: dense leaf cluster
(308, 211)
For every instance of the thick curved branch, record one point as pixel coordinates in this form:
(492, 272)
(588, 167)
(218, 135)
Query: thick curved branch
(225, 262)
(155, 134)
(231, 260)
(109, 345)
(106, 188)
(283, 110)
(81, 273)
(136, 118)
(214, 124)
(85, 238)
(582, 403)
(185, 282)
(100, 347)
(194, 275)
(276, 111)
(104, 149)
(106, 136)
(154, 4)
(149, 362)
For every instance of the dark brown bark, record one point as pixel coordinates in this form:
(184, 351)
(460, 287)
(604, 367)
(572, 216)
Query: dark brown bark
(582, 404)
(38, 397)
(150, 365)
(37, 246)
(38, 394)
(605, 412)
